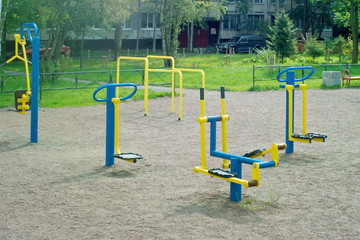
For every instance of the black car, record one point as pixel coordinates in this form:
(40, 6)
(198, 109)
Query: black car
(242, 44)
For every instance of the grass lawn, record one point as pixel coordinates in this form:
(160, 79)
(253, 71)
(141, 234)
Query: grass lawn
(234, 72)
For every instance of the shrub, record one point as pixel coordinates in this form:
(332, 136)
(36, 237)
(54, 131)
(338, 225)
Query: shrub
(314, 49)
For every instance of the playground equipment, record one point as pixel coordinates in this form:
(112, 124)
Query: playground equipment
(234, 162)
(172, 70)
(290, 86)
(112, 123)
(23, 98)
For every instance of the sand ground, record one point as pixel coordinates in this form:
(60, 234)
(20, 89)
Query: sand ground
(59, 188)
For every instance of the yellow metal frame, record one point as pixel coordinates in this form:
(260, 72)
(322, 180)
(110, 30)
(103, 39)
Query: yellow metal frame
(255, 171)
(146, 78)
(173, 87)
(173, 76)
(173, 70)
(116, 102)
(303, 88)
(25, 97)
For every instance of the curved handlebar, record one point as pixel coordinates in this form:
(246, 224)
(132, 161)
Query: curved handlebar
(28, 28)
(114, 85)
(295, 68)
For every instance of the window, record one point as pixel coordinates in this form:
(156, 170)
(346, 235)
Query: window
(127, 24)
(282, 2)
(254, 21)
(257, 1)
(148, 20)
(273, 1)
(298, 23)
(231, 21)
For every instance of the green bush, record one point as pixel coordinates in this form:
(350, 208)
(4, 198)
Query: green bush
(314, 49)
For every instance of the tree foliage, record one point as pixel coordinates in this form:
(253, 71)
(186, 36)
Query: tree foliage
(176, 13)
(281, 36)
(314, 49)
(347, 15)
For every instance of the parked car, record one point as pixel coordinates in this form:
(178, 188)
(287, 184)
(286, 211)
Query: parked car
(242, 44)
(65, 50)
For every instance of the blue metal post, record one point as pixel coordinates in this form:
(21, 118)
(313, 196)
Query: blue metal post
(35, 89)
(290, 80)
(109, 158)
(236, 189)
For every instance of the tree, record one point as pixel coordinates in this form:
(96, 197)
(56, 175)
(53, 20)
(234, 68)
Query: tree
(314, 15)
(314, 49)
(3, 11)
(341, 47)
(13, 14)
(281, 36)
(84, 15)
(176, 13)
(198, 11)
(347, 15)
(116, 12)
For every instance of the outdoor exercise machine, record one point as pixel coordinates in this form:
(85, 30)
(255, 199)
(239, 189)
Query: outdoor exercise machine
(232, 161)
(291, 84)
(112, 123)
(28, 99)
(172, 70)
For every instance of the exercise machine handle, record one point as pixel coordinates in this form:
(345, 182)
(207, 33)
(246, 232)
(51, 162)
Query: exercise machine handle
(114, 85)
(28, 27)
(286, 70)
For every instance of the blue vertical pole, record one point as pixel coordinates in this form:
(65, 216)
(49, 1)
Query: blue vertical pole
(236, 189)
(109, 158)
(35, 89)
(290, 80)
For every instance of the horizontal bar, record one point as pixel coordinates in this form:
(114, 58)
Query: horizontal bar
(229, 156)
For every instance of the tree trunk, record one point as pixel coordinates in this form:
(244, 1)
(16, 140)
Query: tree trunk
(191, 38)
(220, 31)
(82, 46)
(3, 13)
(354, 24)
(154, 33)
(138, 29)
(117, 39)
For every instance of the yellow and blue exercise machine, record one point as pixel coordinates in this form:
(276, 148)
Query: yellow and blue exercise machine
(232, 161)
(291, 84)
(23, 98)
(112, 123)
(172, 70)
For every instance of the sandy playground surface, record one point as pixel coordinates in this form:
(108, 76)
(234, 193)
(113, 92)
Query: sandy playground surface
(60, 189)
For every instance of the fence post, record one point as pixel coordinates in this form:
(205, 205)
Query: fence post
(76, 80)
(110, 77)
(2, 83)
(253, 75)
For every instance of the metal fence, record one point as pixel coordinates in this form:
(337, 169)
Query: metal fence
(268, 73)
(79, 80)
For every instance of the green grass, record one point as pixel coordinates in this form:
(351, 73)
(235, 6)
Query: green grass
(234, 72)
(76, 97)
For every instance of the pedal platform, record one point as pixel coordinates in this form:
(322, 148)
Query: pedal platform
(18, 104)
(310, 136)
(222, 173)
(128, 156)
(257, 151)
